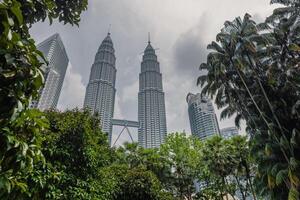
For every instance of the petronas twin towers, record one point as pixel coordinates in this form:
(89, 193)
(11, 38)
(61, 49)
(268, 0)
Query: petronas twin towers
(100, 91)
(151, 103)
(100, 94)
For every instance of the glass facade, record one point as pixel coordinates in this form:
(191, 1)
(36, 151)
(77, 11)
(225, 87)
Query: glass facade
(100, 91)
(151, 102)
(203, 120)
(54, 73)
(229, 132)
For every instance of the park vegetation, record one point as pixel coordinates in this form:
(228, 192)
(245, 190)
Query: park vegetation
(78, 163)
(253, 73)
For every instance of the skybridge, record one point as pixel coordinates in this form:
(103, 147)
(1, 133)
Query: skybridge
(126, 124)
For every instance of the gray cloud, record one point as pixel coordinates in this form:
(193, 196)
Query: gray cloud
(69, 96)
(190, 49)
(181, 30)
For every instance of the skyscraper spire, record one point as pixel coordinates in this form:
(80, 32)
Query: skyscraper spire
(109, 27)
(100, 91)
(151, 102)
(149, 41)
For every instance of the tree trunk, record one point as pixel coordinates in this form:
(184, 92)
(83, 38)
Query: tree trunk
(224, 183)
(240, 187)
(257, 107)
(248, 175)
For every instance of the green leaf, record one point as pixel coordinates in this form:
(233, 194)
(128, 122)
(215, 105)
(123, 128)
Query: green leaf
(293, 194)
(294, 163)
(22, 186)
(8, 74)
(294, 47)
(281, 176)
(271, 182)
(24, 149)
(9, 59)
(268, 150)
(9, 35)
(16, 10)
(293, 140)
(8, 186)
(10, 21)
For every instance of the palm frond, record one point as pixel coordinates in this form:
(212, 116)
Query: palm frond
(201, 80)
(216, 47)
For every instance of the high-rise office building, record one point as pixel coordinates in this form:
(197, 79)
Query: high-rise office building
(203, 122)
(54, 73)
(100, 91)
(202, 116)
(229, 132)
(151, 102)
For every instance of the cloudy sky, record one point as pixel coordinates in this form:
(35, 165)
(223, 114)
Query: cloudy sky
(181, 29)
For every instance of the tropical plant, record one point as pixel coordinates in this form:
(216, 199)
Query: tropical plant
(218, 163)
(226, 169)
(139, 183)
(77, 149)
(20, 80)
(181, 153)
(20, 151)
(253, 72)
(244, 169)
(136, 156)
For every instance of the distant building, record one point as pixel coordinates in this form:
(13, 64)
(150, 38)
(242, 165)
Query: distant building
(202, 116)
(229, 132)
(151, 102)
(100, 91)
(54, 73)
(203, 122)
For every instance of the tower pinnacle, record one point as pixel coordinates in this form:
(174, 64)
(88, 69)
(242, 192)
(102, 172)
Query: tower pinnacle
(151, 108)
(100, 91)
(109, 27)
(149, 41)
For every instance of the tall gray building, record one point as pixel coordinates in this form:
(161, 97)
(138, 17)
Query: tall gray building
(229, 132)
(151, 102)
(54, 73)
(202, 116)
(100, 91)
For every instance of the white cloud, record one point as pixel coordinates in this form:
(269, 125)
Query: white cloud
(181, 29)
(73, 90)
(117, 110)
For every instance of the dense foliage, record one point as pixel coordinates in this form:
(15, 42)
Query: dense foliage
(79, 164)
(253, 72)
(222, 167)
(20, 80)
(77, 150)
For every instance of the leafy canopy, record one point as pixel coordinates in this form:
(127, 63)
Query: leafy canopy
(20, 81)
(253, 72)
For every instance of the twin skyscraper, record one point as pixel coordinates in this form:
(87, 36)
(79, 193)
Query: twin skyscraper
(101, 91)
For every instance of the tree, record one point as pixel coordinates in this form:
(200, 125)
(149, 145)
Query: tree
(226, 168)
(77, 149)
(131, 183)
(141, 184)
(218, 162)
(244, 168)
(20, 153)
(135, 156)
(181, 154)
(253, 72)
(20, 80)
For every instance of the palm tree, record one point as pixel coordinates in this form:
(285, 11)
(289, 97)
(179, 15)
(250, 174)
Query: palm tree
(253, 71)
